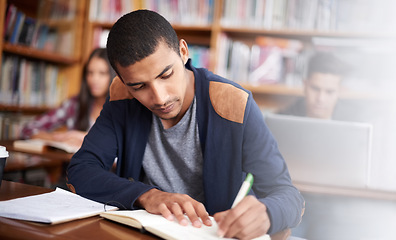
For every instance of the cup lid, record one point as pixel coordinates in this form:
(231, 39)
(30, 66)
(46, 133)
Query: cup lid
(3, 152)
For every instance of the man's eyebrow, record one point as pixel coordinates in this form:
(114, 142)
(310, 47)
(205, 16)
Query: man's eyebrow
(165, 70)
(159, 75)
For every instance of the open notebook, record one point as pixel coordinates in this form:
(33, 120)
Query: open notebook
(160, 226)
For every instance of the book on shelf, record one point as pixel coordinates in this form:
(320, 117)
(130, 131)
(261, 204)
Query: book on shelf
(57, 9)
(9, 21)
(193, 12)
(50, 43)
(284, 43)
(100, 37)
(30, 83)
(65, 43)
(166, 229)
(5, 80)
(323, 15)
(199, 56)
(19, 20)
(275, 60)
(41, 36)
(268, 60)
(11, 124)
(53, 208)
(109, 10)
(42, 32)
(40, 145)
(266, 67)
(27, 31)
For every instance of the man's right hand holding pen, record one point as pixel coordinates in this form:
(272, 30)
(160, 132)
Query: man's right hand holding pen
(247, 218)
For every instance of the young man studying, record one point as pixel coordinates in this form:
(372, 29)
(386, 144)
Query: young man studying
(184, 140)
(322, 88)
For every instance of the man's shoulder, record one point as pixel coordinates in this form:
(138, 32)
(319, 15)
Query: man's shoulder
(118, 91)
(228, 99)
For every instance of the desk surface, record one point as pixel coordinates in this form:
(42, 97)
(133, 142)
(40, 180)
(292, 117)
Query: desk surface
(88, 228)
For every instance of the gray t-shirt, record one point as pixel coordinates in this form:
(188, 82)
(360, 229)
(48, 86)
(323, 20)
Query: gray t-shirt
(173, 157)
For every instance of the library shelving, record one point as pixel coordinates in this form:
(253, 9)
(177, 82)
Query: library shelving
(41, 60)
(192, 21)
(42, 31)
(317, 25)
(206, 23)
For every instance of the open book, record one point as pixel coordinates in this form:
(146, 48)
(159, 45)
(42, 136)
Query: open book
(38, 145)
(160, 226)
(54, 207)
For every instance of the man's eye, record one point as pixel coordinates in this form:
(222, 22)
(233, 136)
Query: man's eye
(167, 76)
(138, 87)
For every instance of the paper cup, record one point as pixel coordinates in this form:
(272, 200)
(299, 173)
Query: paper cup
(3, 157)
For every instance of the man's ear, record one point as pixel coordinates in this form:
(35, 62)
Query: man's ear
(183, 47)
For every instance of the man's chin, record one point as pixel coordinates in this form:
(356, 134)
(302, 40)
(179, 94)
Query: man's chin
(166, 116)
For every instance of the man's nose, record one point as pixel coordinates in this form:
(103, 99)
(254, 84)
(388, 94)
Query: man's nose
(321, 97)
(159, 93)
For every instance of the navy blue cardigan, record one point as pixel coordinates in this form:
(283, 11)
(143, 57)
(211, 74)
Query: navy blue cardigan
(230, 148)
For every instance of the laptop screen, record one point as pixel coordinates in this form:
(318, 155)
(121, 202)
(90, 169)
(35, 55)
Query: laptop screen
(324, 152)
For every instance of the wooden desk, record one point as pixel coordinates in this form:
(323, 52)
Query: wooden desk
(88, 228)
(53, 161)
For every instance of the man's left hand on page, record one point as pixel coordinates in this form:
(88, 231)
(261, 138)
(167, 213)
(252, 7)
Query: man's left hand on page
(175, 205)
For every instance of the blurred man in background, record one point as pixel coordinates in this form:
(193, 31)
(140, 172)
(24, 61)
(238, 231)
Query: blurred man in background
(321, 88)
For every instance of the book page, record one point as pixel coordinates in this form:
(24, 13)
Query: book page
(61, 145)
(164, 228)
(29, 145)
(54, 207)
(37, 145)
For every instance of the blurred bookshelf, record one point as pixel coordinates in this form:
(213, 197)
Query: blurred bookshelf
(361, 33)
(41, 60)
(287, 30)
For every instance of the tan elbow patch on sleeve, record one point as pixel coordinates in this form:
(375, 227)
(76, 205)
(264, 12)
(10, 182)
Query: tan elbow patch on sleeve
(118, 90)
(228, 101)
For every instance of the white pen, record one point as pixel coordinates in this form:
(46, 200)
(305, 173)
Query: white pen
(244, 190)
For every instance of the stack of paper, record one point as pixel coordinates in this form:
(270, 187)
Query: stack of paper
(54, 207)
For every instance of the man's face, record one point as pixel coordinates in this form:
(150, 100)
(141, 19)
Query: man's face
(160, 82)
(321, 94)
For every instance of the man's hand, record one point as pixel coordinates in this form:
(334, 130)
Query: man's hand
(249, 219)
(174, 204)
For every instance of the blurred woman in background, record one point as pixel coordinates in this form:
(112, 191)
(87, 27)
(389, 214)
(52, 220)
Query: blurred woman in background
(77, 114)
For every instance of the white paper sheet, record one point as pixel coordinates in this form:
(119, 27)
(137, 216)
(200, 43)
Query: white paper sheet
(54, 207)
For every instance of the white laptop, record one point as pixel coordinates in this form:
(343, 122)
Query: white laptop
(324, 152)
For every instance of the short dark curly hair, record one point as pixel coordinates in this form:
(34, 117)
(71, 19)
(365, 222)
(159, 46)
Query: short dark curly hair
(136, 35)
(325, 62)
